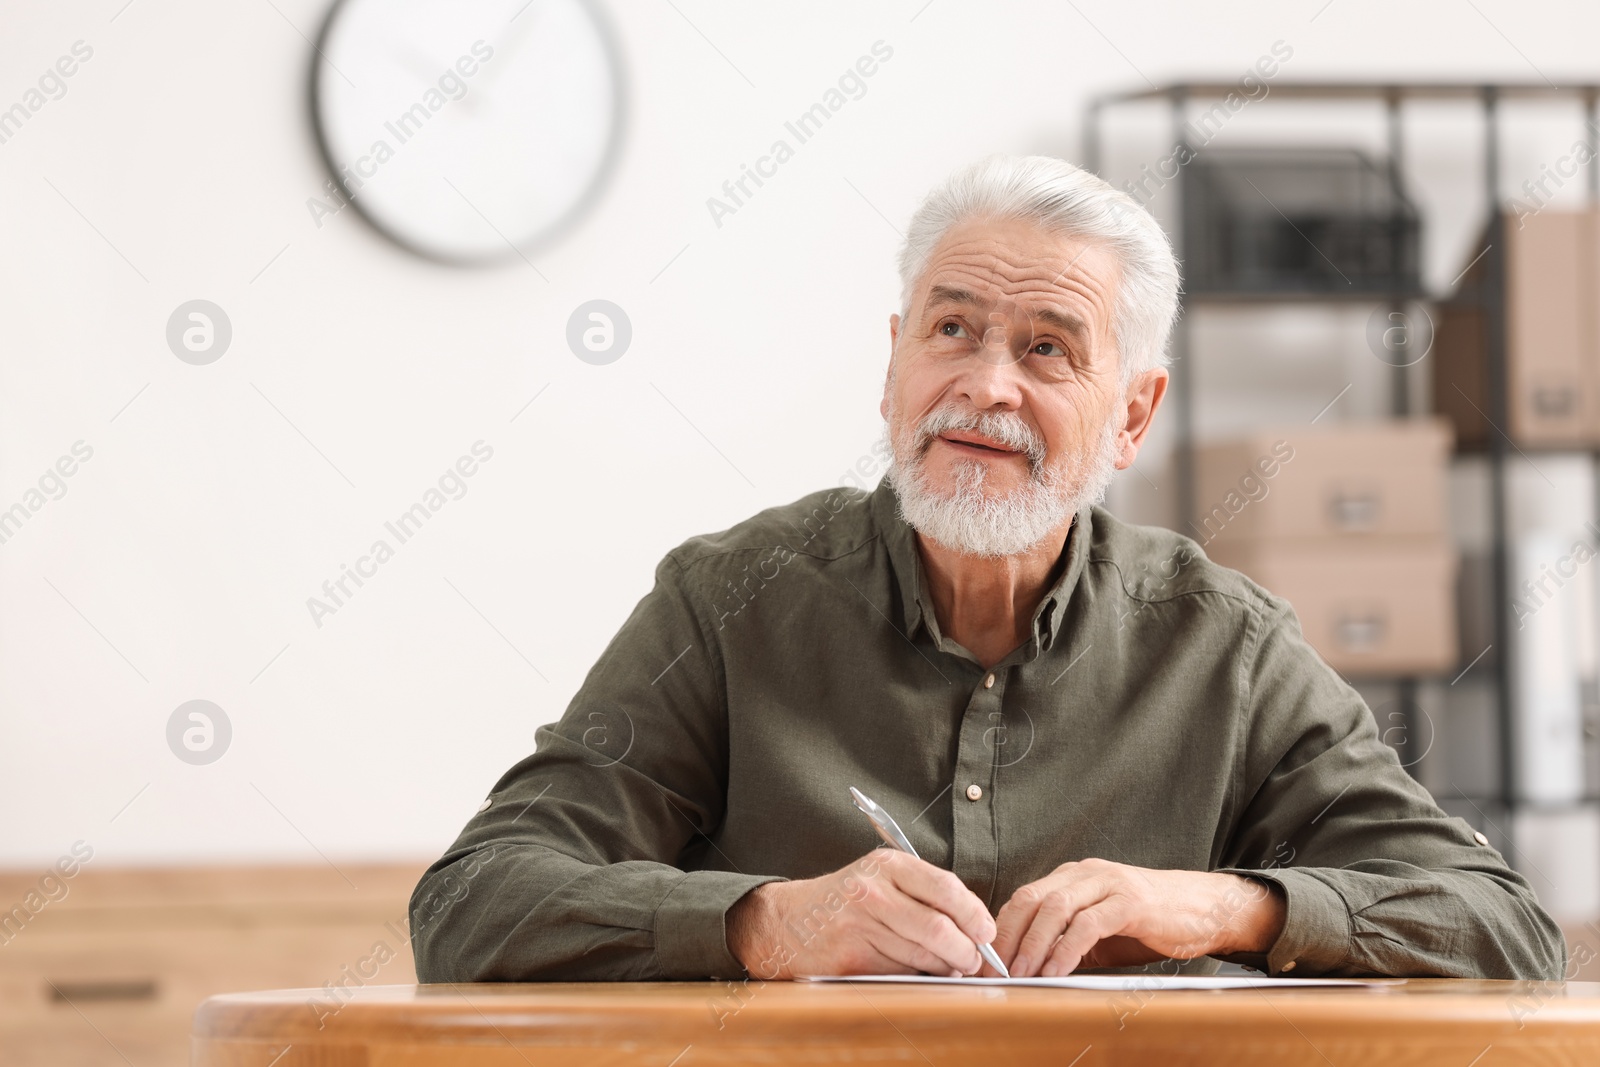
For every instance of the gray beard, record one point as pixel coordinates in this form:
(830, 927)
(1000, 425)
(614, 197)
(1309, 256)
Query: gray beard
(974, 523)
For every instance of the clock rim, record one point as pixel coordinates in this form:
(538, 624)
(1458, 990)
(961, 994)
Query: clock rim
(545, 237)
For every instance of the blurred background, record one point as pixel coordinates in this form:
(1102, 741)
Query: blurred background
(361, 360)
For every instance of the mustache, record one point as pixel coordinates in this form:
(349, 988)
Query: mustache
(1006, 428)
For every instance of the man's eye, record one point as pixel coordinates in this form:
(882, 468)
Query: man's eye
(1053, 349)
(946, 328)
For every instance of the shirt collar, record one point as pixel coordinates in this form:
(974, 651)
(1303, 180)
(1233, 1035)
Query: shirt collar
(900, 539)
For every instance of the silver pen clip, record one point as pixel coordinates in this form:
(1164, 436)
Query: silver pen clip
(887, 828)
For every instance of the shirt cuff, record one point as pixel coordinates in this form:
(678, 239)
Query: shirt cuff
(691, 931)
(1316, 936)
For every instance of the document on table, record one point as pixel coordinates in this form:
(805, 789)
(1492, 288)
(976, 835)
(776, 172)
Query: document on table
(1117, 983)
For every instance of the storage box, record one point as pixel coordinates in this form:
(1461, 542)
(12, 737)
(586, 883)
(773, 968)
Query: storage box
(1379, 479)
(1552, 321)
(1371, 607)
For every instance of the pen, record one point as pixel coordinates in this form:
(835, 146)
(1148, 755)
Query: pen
(890, 831)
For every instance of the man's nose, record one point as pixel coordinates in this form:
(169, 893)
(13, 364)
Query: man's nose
(991, 379)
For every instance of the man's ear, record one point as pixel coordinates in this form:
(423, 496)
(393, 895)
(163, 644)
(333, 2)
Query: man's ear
(1143, 398)
(894, 339)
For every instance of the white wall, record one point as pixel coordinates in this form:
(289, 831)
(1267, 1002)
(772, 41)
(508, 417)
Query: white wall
(178, 564)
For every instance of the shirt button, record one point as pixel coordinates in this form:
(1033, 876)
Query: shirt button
(484, 806)
(974, 792)
(1477, 835)
(988, 683)
(1287, 966)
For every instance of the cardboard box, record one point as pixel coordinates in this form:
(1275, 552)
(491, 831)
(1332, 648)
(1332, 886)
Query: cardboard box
(1382, 479)
(1371, 607)
(1552, 319)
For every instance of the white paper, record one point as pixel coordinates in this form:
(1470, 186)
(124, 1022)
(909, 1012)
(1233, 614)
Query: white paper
(1116, 982)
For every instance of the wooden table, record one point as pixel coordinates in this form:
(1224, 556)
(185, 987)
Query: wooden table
(1452, 1023)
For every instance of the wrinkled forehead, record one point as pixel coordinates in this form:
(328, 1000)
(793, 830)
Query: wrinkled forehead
(1015, 267)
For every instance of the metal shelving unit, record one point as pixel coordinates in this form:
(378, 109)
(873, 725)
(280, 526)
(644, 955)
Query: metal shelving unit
(1179, 98)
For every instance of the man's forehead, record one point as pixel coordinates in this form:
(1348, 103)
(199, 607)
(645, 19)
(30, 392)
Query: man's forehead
(985, 263)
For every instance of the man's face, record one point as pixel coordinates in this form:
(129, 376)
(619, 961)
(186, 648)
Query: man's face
(1004, 397)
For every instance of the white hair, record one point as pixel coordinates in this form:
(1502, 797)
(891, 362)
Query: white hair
(1073, 202)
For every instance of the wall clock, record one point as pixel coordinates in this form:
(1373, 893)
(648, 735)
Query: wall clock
(467, 131)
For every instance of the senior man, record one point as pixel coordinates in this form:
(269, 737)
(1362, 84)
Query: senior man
(1108, 751)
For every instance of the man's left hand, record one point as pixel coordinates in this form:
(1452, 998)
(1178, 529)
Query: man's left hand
(1096, 913)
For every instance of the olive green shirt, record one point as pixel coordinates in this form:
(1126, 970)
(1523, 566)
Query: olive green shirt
(1164, 712)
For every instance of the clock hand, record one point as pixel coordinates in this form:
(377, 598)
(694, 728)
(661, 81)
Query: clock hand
(503, 55)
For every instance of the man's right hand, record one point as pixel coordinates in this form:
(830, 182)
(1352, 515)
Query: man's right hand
(887, 913)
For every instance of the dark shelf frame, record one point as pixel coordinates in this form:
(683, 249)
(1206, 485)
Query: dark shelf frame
(1392, 95)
